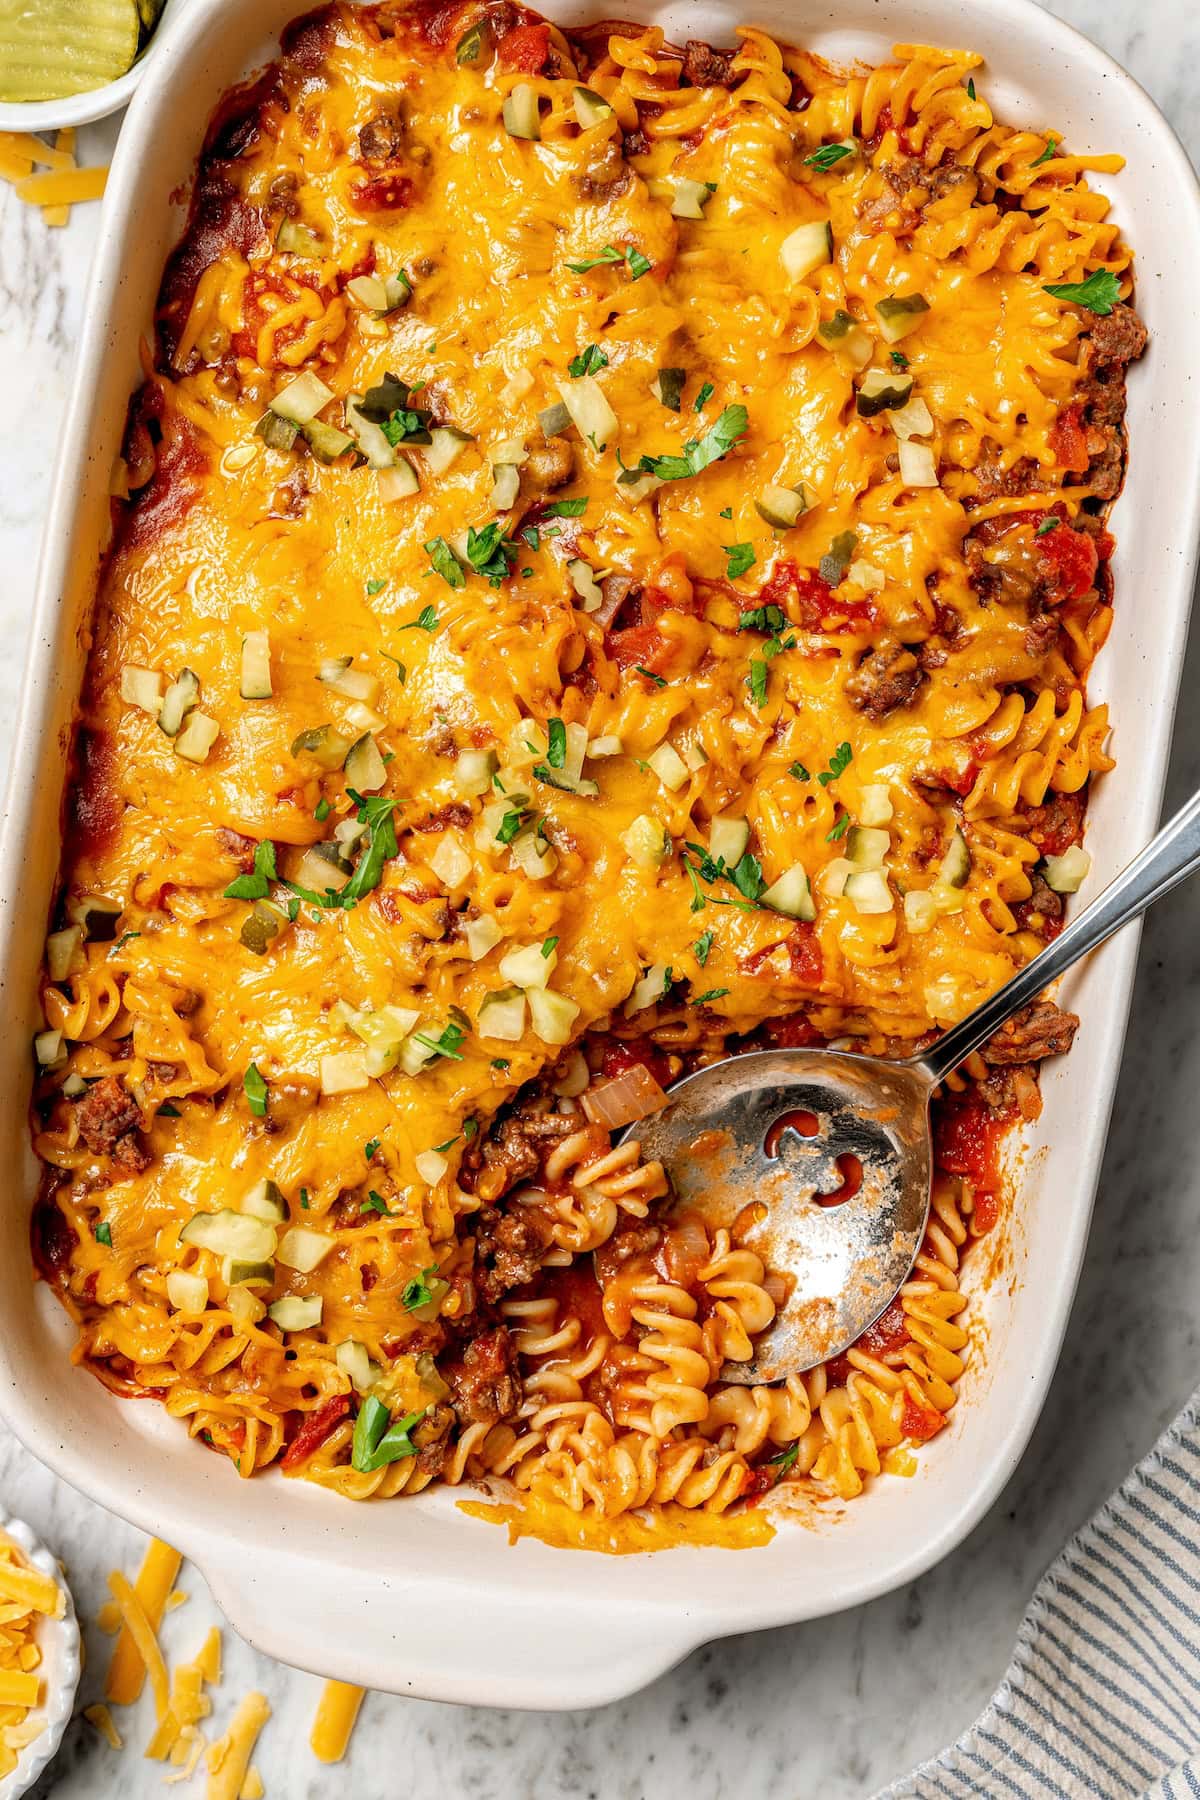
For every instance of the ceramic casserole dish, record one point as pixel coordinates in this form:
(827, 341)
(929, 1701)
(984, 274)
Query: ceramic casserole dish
(334, 1587)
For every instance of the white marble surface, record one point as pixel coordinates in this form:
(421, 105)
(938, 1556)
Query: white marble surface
(833, 1709)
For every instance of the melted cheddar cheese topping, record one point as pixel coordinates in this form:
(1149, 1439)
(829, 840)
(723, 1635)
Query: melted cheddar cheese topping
(560, 658)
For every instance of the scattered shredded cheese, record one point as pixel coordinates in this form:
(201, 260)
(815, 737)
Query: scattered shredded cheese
(252, 1787)
(62, 187)
(25, 1595)
(336, 1714)
(142, 1634)
(188, 1703)
(229, 1758)
(156, 1578)
(99, 1716)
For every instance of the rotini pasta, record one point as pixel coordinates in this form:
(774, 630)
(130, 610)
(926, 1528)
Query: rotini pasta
(609, 557)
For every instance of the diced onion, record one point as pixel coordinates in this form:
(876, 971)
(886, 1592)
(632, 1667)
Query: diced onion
(301, 1248)
(142, 688)
(502, 1016)
(833, 877)
(352, 1360)
(633, 1094)
(187, 1293)
(533, 857)
(552, 1015)
(450, 862)
(482, 935)
(911, 420)
(874, 804)
(866, 576)
(727, 840)
(50, 1050)
(431, 1165)
(917, 467)
(669, 766)
(474, 770)
(344, 1072)
(647, 842)
(519, 383)
(651, 987)
(605, 746)
(1067, 873)
(920, 910)
(528, 966)
(62, 950)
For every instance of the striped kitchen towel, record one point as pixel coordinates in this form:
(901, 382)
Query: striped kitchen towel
(1102, 1697)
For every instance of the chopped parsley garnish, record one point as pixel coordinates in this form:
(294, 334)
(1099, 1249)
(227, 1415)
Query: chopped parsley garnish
(899, 360)
(726, 512)
(1098, 294)
(426, 619)
(255, 1090)
(712, 994)
(490, 553)
(704, 396)
(549, 946)
(376, 585)
(416, 1292)
(255, 886)
(970, 96)
(658, 680)
(371, 1147)
(510, 824)
(499, 1062)
(746, 877)
(800, 772)
(374, 1203)
(407, 422)
(839, 830)
(762, 618)
(304, 1198)
(167, 1111)
(839, 762)
(556, 754)
(741, 558)
(123, 940)
(587, 362)
(378, 1439)
(757, 679)
(1050, 523)
(448, 1145)
(445, 1045)
(376, 814)
(532, 536)
(638, 264)
(786, 1459)
(293, 909)
(717, 441)
(1050, 150)
(838, 557)
(702, 946)
(321, 810)
(446, 563)
(103, 1233)
(566, 509)
(401, 671)
(470, 1127)
(828, 155)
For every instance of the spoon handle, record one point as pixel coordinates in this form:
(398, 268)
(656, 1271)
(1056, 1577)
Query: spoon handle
(1167, 860)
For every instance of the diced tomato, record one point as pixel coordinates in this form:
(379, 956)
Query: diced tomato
(1068, 440)
(1056, 824)
(640, 645)
(386, 192)
(889, 1331)
(1073, 558)
(967, 1136)
(526, 48)
(315, 1429)
(626, 1053)
(809, 601)
(655, 602)
(920, 1422)
(987, 1211)
(806, 965)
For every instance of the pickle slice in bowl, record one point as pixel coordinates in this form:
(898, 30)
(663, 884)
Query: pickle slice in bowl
(50, 49)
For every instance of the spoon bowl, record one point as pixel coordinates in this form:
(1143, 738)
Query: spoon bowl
(824, 1160)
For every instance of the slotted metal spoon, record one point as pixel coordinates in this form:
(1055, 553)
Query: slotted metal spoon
(832, 1152)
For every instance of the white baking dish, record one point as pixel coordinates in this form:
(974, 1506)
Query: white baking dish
(412, 1595)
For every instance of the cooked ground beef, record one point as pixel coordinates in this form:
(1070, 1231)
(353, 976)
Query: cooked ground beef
(1113, 342)
(607, 176)
(1119, 337)
(1041, 634)
(886, 678)
(1042, 906)
(635, 143)
(997, 483)
(908, 188)
(1057, 823)
(514, 1150)
(551, 463)
(381, 139)
(455, 812)
(1041, 1029)
(509, 1247)
(108, 1119)
(234, 844)
(486, 1384)
(705, 67)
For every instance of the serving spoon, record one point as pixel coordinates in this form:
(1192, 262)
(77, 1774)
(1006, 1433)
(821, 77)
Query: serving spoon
(825, 1158)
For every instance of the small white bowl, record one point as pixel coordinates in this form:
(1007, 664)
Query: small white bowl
(58, 1641)
(97, 103)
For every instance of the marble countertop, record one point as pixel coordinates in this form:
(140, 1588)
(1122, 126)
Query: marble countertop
(836, 1708)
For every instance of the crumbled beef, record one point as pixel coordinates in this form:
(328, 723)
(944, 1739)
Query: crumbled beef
(640, 1239)
(887, 677)
(705, 67)
(1041, 633)
(486, 1384)
(381, 139)
(997, 483)
(455, 812)
(607, 176)
(108, 1119)
(509, 1248)
(282, 195)
(514, 1150)
(288, 500)
(1056, 824)
(550, 464)
(909, 187)
(234, 844)
(1044, 907)
(1118, 337)
(635, 143)
(1040, 1029)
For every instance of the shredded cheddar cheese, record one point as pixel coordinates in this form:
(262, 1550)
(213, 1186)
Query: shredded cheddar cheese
(26, 1596)
(337, 1712)
(229, 1758)
(156, 1578)
(99, 1716)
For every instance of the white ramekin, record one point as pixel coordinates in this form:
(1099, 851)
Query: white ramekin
(97, 103)
(58, 1641)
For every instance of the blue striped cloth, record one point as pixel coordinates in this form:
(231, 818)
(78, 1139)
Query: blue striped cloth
(1102, 1697)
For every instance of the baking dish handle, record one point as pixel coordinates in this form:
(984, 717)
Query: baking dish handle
(431, 1639)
